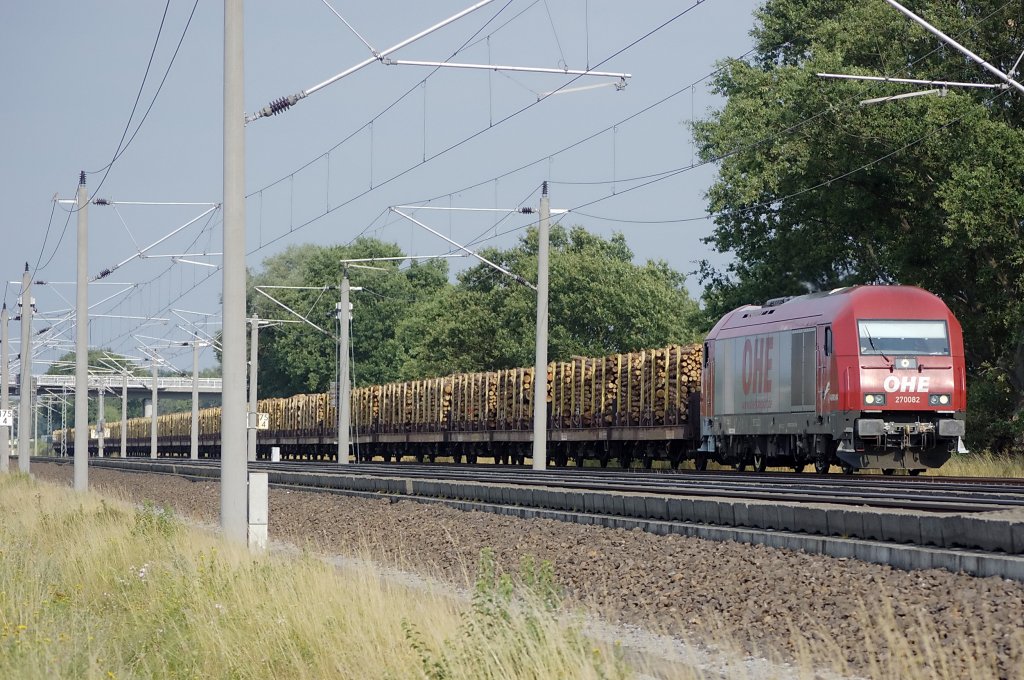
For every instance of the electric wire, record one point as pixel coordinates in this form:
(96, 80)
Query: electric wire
(470, 137)
(656, 177)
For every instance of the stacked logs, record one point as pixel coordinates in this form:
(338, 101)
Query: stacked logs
(645, 388)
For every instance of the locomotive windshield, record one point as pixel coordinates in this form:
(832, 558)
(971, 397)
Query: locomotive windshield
(888, 337)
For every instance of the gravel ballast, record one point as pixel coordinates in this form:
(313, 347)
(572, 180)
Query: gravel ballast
(778, 603)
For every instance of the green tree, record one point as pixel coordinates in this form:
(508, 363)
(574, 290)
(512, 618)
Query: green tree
(600, 302)
(298, 358)
(815, 191)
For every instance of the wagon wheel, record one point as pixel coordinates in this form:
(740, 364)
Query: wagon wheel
(914, 473)
(700, 462)
(580, 459)
(888, 472)
(799, 468)
(821, 465)
(848, 469)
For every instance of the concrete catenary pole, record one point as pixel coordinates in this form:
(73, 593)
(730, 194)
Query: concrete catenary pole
(124, 414)
(254, 341)
(194, 450)
(101, 423)
(152, 422)
(82, 343)
(25, 373)
(344, 384)
(5, 392)
(540, 364)
(233, 468)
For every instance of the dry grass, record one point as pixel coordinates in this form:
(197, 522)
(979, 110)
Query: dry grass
(94, 588)
(91, 588)
(983, 464)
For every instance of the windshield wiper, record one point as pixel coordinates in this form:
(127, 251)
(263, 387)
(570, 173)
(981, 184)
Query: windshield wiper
(872, 343)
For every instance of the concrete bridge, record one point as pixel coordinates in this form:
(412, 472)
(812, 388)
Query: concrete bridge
(137, 385)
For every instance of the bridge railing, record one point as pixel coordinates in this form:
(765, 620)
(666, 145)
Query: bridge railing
(115, 382)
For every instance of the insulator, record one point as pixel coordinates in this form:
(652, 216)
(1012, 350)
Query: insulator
(279, 105)
(81, 178)
(526, 211)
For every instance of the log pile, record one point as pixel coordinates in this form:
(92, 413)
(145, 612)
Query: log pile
(645, 388)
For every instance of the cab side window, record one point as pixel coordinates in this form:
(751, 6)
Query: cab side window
(828, 341)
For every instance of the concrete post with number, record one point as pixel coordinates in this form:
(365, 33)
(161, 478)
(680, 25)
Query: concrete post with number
(82, 342)
(6, 415)
(344, 385)
(540, 369)
(194, 441)
(254, 340)
(124, 414)
(25, 375)
(101, 424)
(152, 423)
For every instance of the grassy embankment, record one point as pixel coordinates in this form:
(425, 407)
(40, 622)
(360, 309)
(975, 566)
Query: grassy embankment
(93, 588)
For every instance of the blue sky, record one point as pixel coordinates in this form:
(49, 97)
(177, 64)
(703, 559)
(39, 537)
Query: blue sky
(72, 71)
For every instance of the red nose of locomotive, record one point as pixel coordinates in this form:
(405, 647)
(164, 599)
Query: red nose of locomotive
(908, 383)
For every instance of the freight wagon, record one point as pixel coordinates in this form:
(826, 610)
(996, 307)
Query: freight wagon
(863, 377)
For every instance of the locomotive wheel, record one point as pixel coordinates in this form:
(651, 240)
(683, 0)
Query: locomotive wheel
(821, 466)
(648, 462)
(888, 472)
(579, 460)
(760, 462)
(700, 462)
(914, 473)
(740, 466)
(799, 468)
(848, 469)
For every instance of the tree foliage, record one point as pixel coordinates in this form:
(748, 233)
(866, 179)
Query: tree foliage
(816, 191)
(600, 301)
(298, 357)
(411, 322)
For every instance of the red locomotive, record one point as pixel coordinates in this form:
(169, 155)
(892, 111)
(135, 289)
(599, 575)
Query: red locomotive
(865, 377)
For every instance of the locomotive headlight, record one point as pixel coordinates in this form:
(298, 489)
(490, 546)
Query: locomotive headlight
(874, 399)
(939, 399)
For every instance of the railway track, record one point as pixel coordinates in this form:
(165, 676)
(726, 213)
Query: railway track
(971, 526)
(944, 495)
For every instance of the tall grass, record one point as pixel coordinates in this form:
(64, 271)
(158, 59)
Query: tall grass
(91, 588)
(982, 464)
(95, 588)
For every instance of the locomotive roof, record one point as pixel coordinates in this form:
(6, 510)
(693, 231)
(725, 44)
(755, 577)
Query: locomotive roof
(906, 302)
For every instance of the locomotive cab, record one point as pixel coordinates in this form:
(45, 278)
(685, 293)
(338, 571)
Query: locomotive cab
(908, 395)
